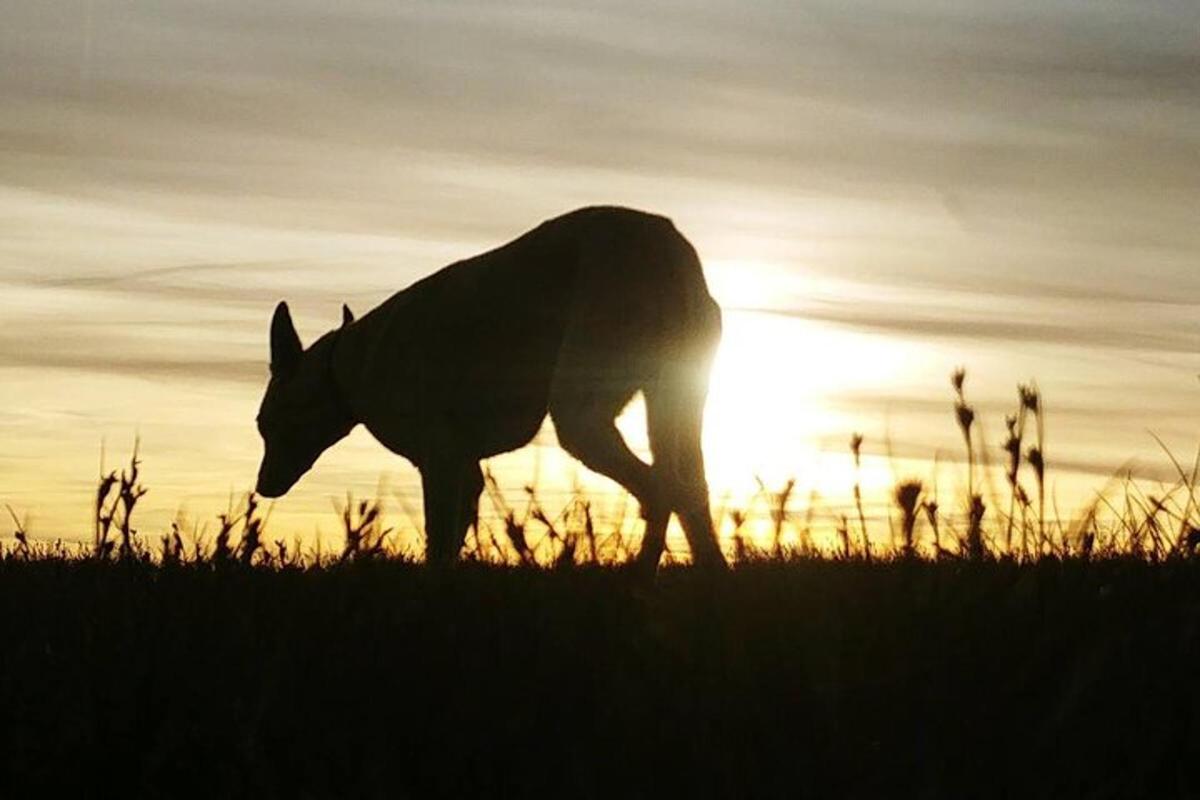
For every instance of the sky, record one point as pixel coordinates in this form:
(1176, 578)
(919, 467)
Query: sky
(880, 192)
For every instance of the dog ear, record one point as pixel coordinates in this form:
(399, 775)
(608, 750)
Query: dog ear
(347, 315)
(285, 342)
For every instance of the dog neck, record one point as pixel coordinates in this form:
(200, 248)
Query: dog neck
(340, 399)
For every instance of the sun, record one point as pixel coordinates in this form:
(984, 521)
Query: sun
(763, 410)
(777, 405)
(773, 396)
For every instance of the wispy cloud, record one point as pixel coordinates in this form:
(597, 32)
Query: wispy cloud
(177, 368)
(1115, 334)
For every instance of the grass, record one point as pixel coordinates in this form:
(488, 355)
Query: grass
(1122, 519)
(993, 649)
(800, 676)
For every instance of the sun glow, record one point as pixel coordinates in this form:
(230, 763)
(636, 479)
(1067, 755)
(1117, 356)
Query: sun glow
(770, 412)
(774, 414)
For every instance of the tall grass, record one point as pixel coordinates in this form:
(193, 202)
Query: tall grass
(1122, 519)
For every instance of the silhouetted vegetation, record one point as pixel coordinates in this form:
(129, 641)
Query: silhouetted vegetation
(370, 677)
(993, 650)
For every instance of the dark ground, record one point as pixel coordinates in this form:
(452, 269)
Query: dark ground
(813, 678)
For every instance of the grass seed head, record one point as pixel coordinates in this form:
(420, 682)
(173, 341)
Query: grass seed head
(965, 416)
(958, 378)
(1034, 456)
(908, 495)
(1031, 398)
(908, 498)
(856, 443)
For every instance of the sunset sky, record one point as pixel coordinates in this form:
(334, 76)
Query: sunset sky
(880, 192)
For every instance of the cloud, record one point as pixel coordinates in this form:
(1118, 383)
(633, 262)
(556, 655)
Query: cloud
(100, 355)
(902, 449)
(1177, 336)
(231, 96)
(1115, 337)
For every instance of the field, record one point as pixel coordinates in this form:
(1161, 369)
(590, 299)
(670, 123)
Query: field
(996, 650)
(807, 676)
